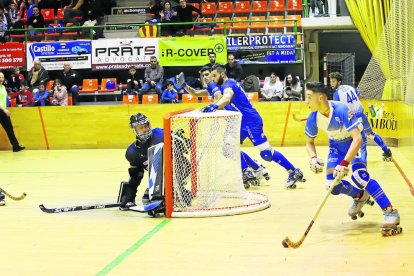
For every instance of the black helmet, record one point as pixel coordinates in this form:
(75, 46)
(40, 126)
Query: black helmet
(135, 122)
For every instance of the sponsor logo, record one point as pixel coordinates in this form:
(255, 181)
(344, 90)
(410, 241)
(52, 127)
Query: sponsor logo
(380, 118)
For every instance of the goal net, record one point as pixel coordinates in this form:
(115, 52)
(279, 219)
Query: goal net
(343, 63)
(390, 73)
(202, 166)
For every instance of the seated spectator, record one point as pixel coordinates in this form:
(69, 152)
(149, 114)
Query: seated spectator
(185, 14)
(133, 84)
(37, 75)
(292, 90)
(74, 9)
(153, 77)
(3, 26)
(24, 96)
(35, 21)
(72, 80)
(60, 94)
(41, 96)
(12, 14)
(167, 15)
(170, 94)
(233, 68)
(14, 80)
(155, 8)
(272, 89)
(93, 15)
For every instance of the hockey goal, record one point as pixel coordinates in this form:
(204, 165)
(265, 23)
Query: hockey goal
(202, 166)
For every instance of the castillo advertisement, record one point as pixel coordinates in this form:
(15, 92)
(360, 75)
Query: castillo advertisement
(275, 48)
(11, 54)
(191, 51)
(120, 54)
(54, 54)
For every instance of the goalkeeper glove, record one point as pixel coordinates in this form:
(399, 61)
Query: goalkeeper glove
(209, 108)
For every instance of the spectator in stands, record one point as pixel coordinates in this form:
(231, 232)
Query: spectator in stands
(93, 15)
(133, 84)
(185, 14)
(212, 57)
(153, 77)
(37, 75)
(293, 89)
(76, 8)
(272, 89)
(71, 79)
(14, 80)
(3, 26)
(36, 21)
(60, 94)
(5, 117)
(233, 68)
(170, 94)
(156, 7)
(23, 97)
(12, 14)
(41, 96)
(167, 15)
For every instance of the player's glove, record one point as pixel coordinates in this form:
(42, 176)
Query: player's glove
(341, 170)
(316, 164)
(209, 108)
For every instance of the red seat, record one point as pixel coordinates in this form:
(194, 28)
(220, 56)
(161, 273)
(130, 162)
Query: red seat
(130, 99)
(208, 8)
(294, 5)
(225, 8)
(276, 6)
(242, 7)
(150, 99)
(103, 85)
(187, 98)
(48, 14)
(60, 13)
(89, 85)
(259, 7)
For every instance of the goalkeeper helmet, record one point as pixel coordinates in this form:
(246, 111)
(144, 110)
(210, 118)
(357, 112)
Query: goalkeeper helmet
(141, 127)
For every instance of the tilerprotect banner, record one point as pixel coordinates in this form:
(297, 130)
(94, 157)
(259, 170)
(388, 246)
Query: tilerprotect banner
(120, 54)
(53, 55)
(191, 51)
(275, 48)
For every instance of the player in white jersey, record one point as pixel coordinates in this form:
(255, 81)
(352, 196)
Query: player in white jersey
(350, 96)
(347, 145)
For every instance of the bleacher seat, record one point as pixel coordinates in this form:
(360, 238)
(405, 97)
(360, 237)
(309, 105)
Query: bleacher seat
(60, 13)
(196, 5)
(294, 5)
(274, 25)
(206, 30)
(277, 6)
(70, 101)
(291, 24)
(256, 26)
(130, 99)
(238, 25)
(104, 87)
(225, 8)
(207, 99)
(49, 85)
(220, 26)
(208, 8)
(149, 99)
(253, 96)
(48, 14)
(13, 102)
(89, 86)
(187, 98)
(242, 7)
(259, 7)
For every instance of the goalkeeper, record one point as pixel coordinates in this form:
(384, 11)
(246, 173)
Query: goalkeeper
(232, 97)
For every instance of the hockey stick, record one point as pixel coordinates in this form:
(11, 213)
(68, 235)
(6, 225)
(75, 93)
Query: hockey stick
(287, 242)
(23, 195)
(78, 208)
(298, 119)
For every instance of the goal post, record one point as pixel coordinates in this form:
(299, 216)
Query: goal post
(202, 171)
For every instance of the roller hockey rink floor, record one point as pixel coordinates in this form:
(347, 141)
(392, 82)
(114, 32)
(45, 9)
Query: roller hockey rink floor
(108, 241)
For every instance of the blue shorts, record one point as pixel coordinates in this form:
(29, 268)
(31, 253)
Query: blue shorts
(254, 133)
(338, 150)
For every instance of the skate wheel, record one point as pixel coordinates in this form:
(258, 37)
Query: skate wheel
(291, 187)
(354, 217)
(267, 178)
(361, 214)
(303, 180)
(370, 202)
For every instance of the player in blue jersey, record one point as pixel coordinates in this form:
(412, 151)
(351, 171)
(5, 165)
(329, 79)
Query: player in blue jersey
(137, 156)
(234, 98)
(346, 145)
(350, 96)
(252, 170)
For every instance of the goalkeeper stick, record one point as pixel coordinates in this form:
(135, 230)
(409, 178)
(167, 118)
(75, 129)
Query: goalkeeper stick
(287, 242)
(78, 208)
(23, 195)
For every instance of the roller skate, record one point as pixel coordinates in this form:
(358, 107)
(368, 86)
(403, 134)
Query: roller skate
(261, 173)
(294, 176)
(390, 226)
(249, 178)
(387, 156)
(2, 200)
(356, 209)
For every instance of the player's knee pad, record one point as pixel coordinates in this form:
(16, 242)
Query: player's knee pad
(267, 154)
(336, 190)
(361, 178)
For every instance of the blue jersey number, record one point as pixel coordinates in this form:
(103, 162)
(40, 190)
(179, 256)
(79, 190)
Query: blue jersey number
(351, 98)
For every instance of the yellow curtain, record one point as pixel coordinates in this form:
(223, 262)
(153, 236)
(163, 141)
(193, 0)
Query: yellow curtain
(369, 17)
